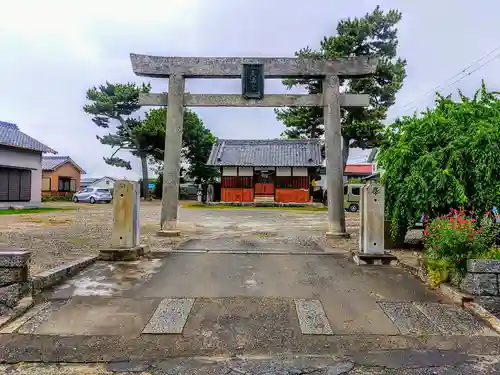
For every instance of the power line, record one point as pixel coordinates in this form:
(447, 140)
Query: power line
(464, 76)
(472, 71)
(462, 71)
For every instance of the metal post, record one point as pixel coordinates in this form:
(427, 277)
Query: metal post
(172, 158)
(334, 170)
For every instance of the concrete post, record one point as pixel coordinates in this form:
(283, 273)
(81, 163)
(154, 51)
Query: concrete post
(172, 158)
(371, 231)
(126, 198)
(334, 170)
(373, 219)
(125, 237)
(199, 194)
(362, 211)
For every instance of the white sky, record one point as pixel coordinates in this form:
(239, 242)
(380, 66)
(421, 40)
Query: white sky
(51, 52)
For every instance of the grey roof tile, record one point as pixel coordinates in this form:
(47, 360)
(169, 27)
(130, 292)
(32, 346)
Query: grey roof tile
(49, 163)
(10, 135)
(266, 152)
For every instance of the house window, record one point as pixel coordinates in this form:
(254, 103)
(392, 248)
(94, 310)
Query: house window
(67, 184)
(15, 185)
(46, 184)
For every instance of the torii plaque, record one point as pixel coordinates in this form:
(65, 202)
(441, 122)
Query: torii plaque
(177, 69)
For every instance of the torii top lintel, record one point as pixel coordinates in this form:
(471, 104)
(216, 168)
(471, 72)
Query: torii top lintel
(231, 67)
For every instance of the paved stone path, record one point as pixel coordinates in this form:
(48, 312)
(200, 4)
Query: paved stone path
(247, 293)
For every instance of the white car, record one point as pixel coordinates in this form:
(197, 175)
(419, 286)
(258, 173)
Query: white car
(93, 195)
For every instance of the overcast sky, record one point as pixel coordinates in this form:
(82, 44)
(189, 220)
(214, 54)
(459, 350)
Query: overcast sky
(51, 52)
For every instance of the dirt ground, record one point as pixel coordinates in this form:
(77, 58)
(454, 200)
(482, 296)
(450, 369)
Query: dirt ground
(61, 236)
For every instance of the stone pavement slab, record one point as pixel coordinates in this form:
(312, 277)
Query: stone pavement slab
(453, 320)
(312, 318)
(93, 316)
(408, 318)
(219, 323)
(170, 316)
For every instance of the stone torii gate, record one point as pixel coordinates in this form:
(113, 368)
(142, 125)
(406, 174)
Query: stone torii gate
(252, 72)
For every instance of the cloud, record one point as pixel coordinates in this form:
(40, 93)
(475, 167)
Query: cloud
(53, 51)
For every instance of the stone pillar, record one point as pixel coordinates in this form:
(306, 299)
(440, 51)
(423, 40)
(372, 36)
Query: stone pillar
(199, 194)
(210, 193)
(14, 284)
(372, 216)
(362, 211)
(172, 157)
(371, 227)
(125, 236)
(334, 170)
(126, 198)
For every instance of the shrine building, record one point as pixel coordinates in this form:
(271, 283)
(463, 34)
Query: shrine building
(276, 170)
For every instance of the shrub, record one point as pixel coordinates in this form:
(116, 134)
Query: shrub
(444, 157)
(493, 253)
(451, 240)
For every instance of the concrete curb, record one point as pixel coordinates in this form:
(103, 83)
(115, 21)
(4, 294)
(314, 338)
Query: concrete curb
(467, 302)
(23, 305)
(484, 314)
(57, 275)
(414, 270)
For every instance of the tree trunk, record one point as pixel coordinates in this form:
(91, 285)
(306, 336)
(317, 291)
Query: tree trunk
(345, 151)
(145, 178)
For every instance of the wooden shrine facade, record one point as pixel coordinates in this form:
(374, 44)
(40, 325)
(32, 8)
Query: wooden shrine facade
(266, 170)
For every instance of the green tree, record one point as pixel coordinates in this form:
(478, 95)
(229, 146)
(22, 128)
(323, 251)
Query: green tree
(115, 103)
(445, 158)
(373, 34)
(197, 142)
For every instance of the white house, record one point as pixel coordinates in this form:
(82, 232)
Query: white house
(102, 183)
(20, 167)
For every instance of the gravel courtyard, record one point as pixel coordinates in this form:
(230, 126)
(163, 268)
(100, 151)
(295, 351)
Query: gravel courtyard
(61, 236)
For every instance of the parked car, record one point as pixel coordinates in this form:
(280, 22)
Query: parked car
(188, 190)
(351, 197)
(93, 195)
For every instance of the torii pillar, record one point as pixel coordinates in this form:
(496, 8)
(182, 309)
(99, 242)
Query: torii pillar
(253, 71)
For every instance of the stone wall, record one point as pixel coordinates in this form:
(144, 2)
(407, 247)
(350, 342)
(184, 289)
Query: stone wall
(14, 279)
(483, 277)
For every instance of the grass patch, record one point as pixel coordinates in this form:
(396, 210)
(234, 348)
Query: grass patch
(26, 211)
(228, 207)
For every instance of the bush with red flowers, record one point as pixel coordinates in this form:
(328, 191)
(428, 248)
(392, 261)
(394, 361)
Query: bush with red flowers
(452, 239)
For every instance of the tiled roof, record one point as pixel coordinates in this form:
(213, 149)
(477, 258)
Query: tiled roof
(366, 169)
(10, 135)
(49, 163)
(88, 180)
(272, 153)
